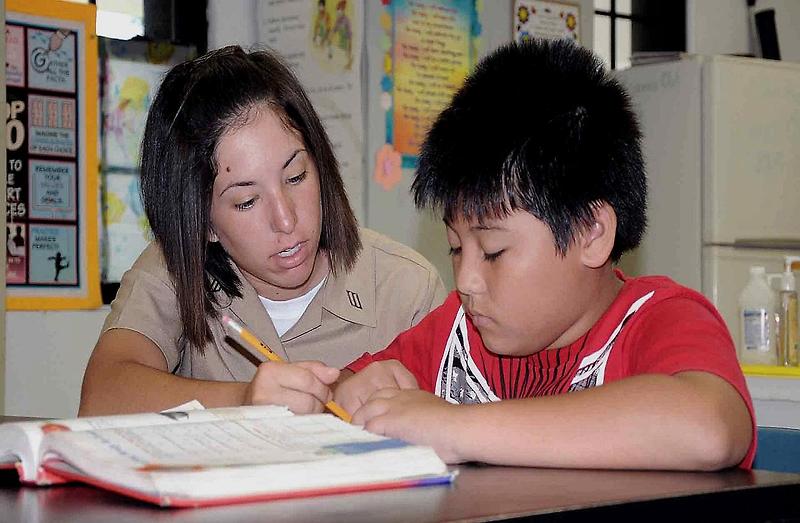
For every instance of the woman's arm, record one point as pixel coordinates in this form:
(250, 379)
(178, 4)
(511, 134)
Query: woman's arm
(128, 373)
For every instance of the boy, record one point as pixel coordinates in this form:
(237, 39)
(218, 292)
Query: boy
(552, 195)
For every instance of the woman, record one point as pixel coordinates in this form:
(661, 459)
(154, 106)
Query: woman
(250, 220)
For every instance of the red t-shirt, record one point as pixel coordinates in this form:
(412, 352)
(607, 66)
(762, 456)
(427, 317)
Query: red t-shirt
(654, 326)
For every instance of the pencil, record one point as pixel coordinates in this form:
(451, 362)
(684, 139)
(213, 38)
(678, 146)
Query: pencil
(262, 347)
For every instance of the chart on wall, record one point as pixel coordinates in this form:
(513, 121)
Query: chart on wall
(321, 40)
(51, 168)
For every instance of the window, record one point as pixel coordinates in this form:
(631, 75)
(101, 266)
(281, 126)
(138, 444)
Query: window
(625, 27)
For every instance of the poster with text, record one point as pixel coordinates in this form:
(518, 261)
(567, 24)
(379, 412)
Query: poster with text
(51, 126)
(52, 255)
(51, 149)
(551, 20)
(432, 51)
(322, 41)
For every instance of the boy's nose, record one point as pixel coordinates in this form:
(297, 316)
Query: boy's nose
(468, 280)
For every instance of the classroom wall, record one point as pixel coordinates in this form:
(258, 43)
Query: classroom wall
(723, 26)
(393, 212)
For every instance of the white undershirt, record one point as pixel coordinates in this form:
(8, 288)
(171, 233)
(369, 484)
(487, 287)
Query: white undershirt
(284, 314)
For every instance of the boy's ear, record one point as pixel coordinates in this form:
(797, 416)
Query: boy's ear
(597, 241)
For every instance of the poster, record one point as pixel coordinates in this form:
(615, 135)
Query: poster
(553, 20)
(322, 41)
(51, 168)
(429, 48)
(132, 73)
(127, 231)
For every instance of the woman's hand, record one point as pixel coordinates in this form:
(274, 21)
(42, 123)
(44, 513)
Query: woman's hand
(304, 386)
(353, 392)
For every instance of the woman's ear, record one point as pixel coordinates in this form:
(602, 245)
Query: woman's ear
(597, 240)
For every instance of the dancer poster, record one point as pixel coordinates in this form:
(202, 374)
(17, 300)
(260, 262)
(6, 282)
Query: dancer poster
(51, 142)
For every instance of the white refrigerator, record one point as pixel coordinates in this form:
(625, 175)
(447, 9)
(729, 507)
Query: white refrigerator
(721, 139)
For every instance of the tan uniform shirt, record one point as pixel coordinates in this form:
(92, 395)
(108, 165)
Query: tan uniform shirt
(390, 288)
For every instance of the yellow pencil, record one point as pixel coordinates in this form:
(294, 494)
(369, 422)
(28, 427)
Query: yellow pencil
(262, 347)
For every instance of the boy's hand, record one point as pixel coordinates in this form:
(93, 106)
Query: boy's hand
(353, 392)
(304, 386)
(415, 416)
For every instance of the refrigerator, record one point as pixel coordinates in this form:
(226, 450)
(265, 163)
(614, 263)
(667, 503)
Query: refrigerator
(721, 138)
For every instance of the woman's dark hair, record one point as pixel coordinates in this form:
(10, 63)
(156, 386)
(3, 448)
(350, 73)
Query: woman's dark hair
(542, 127)
(197, 103)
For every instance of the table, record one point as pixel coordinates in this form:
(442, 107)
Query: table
(480, 493)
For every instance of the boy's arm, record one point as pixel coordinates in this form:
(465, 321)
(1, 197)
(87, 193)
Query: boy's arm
(689, 421)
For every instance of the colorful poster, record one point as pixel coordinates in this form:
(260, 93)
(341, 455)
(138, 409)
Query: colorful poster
(322, 42)
(430, 52)
(132, 72)
(535, 19)
(51, 168)
(127, 229)
(52, 126)
(15, 55)
(53, 255)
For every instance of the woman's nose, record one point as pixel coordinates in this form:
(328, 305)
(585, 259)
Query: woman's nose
(282, 214)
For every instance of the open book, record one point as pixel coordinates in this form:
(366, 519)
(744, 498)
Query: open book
(216, 456)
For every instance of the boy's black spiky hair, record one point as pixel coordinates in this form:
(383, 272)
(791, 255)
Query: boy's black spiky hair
(539, 126)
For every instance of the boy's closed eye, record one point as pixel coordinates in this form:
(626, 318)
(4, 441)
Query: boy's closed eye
(487, 256)
(492, 256)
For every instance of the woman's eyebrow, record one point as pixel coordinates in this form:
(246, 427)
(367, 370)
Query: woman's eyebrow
(292, 157)
(236, 184)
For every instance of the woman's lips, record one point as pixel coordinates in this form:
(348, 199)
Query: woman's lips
(292, 257)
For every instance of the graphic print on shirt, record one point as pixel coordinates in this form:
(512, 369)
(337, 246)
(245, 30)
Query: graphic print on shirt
(460, 381)
(592, 370)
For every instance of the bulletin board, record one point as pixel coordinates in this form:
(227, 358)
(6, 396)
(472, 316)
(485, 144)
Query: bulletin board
(51, 143)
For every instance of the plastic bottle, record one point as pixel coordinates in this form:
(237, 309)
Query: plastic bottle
(787, 315)
(757, 320)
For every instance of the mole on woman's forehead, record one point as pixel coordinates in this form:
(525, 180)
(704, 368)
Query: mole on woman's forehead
(228, 168)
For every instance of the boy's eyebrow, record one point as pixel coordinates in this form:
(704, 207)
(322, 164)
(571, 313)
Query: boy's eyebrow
(485, 227)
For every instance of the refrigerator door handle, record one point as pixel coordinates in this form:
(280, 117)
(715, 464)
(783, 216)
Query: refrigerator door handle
(767, 243)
